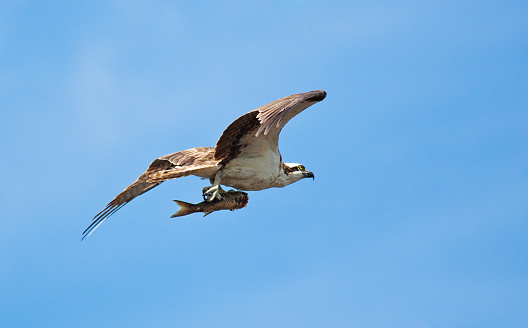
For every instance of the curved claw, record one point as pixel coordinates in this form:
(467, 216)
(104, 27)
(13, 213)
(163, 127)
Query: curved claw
(204, 194)
(212, 193)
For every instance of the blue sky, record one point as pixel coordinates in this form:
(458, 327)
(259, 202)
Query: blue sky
(418, 213)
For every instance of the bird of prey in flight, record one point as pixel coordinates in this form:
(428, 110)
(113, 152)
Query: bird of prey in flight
(246, 157)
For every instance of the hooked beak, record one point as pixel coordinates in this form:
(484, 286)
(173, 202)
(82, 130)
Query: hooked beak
(308, 174)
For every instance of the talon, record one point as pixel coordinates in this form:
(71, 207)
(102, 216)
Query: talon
(212, 193)
(213, 196)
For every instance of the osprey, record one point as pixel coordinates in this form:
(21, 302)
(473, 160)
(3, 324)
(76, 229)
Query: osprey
(246, 157)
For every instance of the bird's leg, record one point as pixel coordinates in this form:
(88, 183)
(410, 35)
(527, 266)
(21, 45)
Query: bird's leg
(214, 192)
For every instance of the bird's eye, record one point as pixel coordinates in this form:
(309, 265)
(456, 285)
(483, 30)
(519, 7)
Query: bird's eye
(301, 167)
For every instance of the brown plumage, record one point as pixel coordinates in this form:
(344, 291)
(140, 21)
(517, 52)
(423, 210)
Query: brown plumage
(252, 140)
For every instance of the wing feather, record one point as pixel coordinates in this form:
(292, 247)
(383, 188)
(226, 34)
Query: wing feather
(195, 161)
(137, 188)
(265, 122)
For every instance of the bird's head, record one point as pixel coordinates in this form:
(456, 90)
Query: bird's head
(295, 172)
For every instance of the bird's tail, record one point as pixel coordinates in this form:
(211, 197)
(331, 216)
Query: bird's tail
(186, 208)
(137, 188)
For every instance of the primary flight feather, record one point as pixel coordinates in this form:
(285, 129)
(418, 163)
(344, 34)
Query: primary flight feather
(246, 157)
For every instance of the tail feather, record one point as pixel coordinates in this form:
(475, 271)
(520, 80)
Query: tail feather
(137, 188)
(185, 208)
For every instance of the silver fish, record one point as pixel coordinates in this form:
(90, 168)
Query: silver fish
(231, 200)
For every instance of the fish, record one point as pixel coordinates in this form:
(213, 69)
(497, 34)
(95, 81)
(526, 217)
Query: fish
(231, 200)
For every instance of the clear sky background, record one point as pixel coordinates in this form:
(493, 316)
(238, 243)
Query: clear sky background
(418, 213)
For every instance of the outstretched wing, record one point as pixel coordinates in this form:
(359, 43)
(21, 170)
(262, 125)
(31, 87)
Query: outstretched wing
(195, 161)
(259, 129)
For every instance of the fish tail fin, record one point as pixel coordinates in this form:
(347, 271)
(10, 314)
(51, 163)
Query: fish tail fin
(186, 208)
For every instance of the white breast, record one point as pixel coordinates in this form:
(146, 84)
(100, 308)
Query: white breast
(258, 167)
